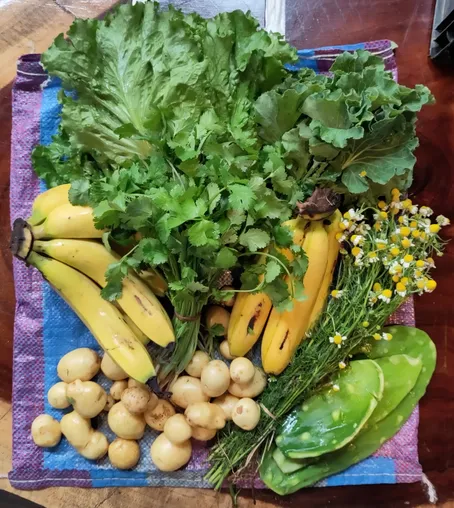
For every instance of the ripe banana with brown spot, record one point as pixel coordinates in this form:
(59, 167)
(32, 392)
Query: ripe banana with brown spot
(137, 299)
(101, 317)
(250, 311)
(285, 330)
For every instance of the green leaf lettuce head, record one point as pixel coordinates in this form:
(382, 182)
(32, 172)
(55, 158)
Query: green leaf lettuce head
(193, 135)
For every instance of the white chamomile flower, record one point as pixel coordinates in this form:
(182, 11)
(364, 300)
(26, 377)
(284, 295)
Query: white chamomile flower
(413, 209)
(336, 388)
(357, 239)
(395, 268)
(342, 365)
(387, 336)
(425, 211)
(338, 339)
(442, 220)
(337, 293)
(385, 295)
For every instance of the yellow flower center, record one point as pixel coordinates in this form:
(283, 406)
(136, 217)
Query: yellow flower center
(387, 293)
(356, 251)
(405, 231)
(416, 233)
(423, 235)
(431, 285)
(401, 219)
(406, 243)
(372, 255)
(377, 287)
(404, 280)
(407, 203)
(376, 336)
(434, 228)
(365, 324)
(430, 261)
(338, 236)
(413, 224)
(420, 263)
(383, 215)
(420, 284)
(394, 238)
(395, 251)
(408, 258)
(400, 287)
(337, 339)
(396, 278)
(381, 204)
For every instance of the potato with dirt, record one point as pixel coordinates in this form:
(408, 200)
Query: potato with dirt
(46, 431)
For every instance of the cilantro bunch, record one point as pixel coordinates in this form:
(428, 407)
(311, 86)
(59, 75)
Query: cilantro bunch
(193, 143)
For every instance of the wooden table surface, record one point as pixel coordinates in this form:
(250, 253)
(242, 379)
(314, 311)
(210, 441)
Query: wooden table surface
(30, 25)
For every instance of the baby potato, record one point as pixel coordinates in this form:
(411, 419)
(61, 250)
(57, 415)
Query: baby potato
(201, 434)
(206, 415)
(168, 456)
(157, 417)
(132, 383)
(111, 369)
(197, 363)
(86, 397)
(177, 429)
(187, 390)
(46, 431)
(82, 363)
(76, 429)
(135, 400)
(124, 453)
(246, 414)
(242, 371)
(96, 447)
(118, 388)
(110, 401)
(152, 402)
(56, 396)
(124, 424)
(226, 402)
(217, 315)
(215, 378)
(224, 349)
(251, 389)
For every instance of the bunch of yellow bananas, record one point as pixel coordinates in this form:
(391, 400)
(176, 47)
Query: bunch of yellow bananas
(285, 330)
(61, 249)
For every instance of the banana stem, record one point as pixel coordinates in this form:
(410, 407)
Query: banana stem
(21, 242)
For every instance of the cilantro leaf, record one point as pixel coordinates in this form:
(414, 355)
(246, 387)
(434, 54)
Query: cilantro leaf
(254, 239)
(241, 197)
(151, 251)
(273, 269)
(226, 258)
(204, 232)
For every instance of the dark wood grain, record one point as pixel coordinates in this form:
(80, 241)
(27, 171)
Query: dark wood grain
(312, 23)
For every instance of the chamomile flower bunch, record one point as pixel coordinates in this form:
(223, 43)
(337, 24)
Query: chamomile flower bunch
(387, 256)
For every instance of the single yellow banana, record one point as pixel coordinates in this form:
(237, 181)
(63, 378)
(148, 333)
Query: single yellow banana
(333, 251)
(281, 339)
(137, 300)
(101, 317)
(46, 202)
(136, 330)
(250, 311)
(68, 221)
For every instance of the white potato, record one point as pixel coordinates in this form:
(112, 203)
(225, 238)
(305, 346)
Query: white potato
(86, 397)
(46, 431)
(111, 369)
(242, 371)
(215, 378)
(157, 417)
(56, 395)
(251, 389)
(82, 363)
(206, 415)
(135, 399)
(124, 453)
(177, 429)
(168, 456)
(96, 447)
(246, 414)
(76, 429)
(197, 363)
(124, 424)
(118, 388)
(226, 402)
(187, 390)
(201, 434)
(224, 349)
